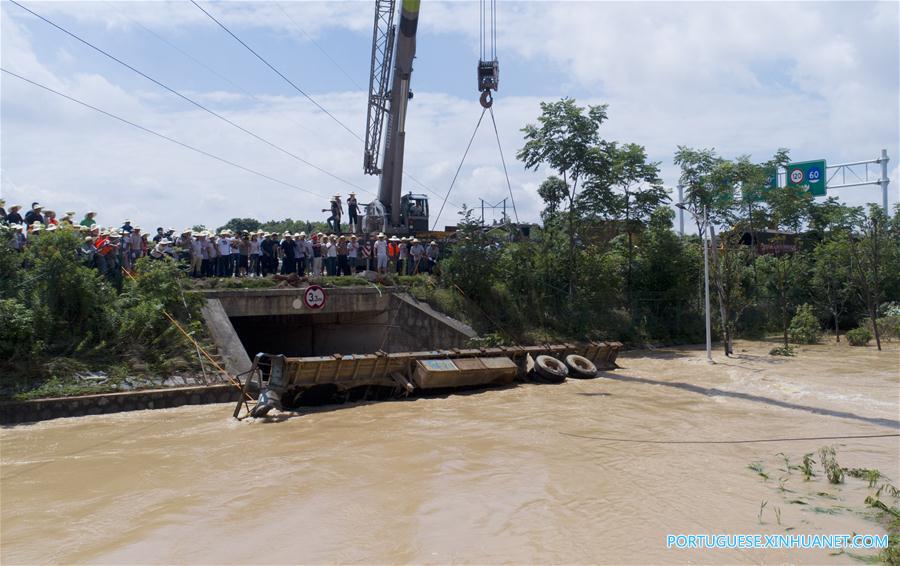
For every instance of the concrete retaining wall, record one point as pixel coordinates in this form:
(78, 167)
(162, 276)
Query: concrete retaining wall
(44, 409)
(417, 327)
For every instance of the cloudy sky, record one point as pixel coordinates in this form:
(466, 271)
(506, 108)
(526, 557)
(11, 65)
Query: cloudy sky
(820, 78)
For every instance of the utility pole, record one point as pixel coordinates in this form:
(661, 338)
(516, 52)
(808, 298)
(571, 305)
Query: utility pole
(884, 181)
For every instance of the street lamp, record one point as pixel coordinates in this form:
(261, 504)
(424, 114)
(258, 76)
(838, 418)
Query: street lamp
(705, 276)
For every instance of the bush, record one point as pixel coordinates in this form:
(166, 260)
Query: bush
(859, 337)
(782, 351)
(804, 328)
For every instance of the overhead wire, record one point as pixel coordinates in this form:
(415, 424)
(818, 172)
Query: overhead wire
(190, 100)
(277, 72)
(306, 95)
(463, 160)
(163, 136)
(319, 47)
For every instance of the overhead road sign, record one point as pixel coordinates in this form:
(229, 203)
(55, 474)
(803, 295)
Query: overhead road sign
(809, 175)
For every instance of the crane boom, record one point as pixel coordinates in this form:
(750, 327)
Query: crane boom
(379, 77)
(392, 102)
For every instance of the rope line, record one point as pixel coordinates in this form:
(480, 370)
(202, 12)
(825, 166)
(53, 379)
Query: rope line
(503, 160)
(277, 72)
(187, 98)
(745, 441)
(453, 182)
(163, 136)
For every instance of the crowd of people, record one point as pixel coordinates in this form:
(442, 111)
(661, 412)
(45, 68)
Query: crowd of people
(225, 253)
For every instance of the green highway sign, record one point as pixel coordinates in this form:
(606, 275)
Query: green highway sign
(755, 194)
(809, 175)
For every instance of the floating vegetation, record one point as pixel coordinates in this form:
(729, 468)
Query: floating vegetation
(806, 468)
(761, 507)
(758, 468)
(833, 471)
(870, 475)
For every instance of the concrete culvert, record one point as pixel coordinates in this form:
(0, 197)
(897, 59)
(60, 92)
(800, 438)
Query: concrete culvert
(550, 369)
(580, 367)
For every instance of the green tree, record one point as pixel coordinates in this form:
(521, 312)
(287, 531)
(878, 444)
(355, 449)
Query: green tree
(567, 140)
(873, 259)
(831, 280)
(241, 225)
(629, 191)
(782, 276)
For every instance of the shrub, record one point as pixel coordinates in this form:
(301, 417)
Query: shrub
(859, 336)
(782, 351)
(804, 328)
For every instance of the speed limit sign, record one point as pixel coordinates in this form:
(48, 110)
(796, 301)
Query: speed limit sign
(314, 297)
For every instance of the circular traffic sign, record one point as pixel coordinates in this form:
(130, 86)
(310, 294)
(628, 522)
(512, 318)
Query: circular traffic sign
(797, 176)
(314, 297)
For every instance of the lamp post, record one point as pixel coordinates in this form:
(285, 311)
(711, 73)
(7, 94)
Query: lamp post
(705, 276)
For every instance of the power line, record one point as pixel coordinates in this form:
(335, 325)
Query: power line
(741, 441)
(279, 73)
(314, 42)
(163, 136)
(190, 100)
(301, 91)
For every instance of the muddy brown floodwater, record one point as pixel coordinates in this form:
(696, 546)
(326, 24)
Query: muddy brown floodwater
(487, 477)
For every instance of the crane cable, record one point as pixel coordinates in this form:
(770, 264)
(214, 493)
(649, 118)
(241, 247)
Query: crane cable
(453, 182)
(503, 160)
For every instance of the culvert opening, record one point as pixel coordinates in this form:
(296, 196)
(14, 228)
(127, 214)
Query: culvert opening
(325, 334)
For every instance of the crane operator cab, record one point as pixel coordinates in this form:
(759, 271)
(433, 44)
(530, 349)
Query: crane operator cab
(414, 212)
(413, 216)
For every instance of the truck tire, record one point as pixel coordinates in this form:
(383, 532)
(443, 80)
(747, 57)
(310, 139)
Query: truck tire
(550, 369)
(581, 367)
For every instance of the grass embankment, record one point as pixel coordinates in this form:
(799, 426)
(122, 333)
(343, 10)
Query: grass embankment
(68, 330)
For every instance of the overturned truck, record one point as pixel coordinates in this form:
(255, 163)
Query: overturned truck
(283, 383)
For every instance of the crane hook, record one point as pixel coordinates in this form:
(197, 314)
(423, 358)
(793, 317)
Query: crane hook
(486, 99)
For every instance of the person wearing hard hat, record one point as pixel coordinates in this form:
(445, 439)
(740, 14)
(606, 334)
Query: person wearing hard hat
(381, 253)
(337, 210)
(34, 215)
(13, 216)
(432, 252)
(353, 212)
(417, 254)
(89, 219)
(353, 253)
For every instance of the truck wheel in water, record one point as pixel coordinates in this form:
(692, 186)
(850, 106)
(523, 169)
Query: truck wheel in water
(581, 367)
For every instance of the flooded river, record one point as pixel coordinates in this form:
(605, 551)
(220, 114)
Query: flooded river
(525, 474)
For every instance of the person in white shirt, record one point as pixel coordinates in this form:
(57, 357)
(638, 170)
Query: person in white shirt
(402, 256)
(223, 251)
(381, 253)
(331, 255)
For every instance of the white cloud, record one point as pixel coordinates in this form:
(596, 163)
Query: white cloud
(820, 78)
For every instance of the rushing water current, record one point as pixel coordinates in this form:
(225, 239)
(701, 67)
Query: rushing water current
(486, 477)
